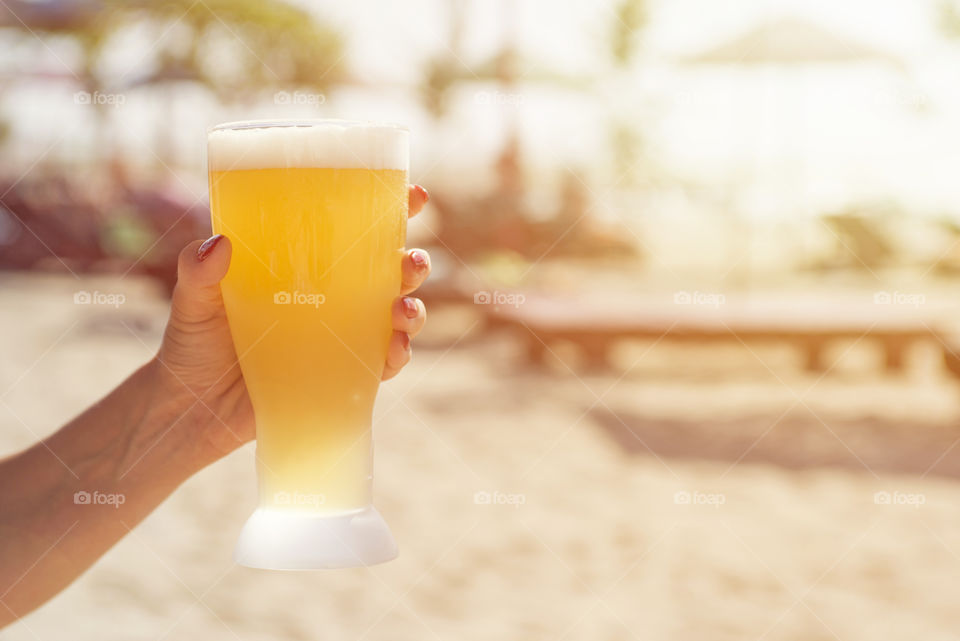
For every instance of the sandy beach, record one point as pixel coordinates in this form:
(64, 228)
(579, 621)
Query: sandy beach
(520, 509)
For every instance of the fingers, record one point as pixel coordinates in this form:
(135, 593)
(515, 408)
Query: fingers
(398, 354)
(416, 268)
(417, 199)
(408, 315)
(200, 267)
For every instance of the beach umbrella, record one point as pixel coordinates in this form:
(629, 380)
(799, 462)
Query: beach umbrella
(775, 73)
(789, 41)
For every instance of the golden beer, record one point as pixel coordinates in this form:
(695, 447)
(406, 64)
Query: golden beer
(316, 213)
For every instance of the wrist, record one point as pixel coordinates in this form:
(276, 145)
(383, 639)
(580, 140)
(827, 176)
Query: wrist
(196, 420)
(172, 423)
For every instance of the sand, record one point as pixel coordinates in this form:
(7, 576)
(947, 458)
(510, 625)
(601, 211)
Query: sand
(584, 537)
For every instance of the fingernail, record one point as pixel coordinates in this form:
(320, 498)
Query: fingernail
(208, 246)
(423, 192)
(419, 258)
(405, 339)
(410, 307)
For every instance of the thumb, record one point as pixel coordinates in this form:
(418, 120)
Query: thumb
(200, 267)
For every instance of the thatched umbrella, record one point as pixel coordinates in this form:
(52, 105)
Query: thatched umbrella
(785, 49)
(789, 41)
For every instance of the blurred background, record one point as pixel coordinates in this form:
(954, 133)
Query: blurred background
(690, 366)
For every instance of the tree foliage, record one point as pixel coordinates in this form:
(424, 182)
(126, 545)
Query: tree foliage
(232, 47)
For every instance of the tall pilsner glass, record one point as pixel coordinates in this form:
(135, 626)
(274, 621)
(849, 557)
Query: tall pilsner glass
(316, 212)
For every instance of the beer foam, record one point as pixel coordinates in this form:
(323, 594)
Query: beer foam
(307, 143)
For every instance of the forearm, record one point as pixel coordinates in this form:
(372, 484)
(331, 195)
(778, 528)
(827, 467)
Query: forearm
(68, 499)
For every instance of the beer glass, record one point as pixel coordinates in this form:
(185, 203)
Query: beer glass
(316, 212)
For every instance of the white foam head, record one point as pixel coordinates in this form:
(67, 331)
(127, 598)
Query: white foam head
(307, 143)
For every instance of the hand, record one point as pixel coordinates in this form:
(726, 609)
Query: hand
(184, 409)
(197, 360)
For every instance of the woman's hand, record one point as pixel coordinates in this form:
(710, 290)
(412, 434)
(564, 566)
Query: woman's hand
(197, 361)
(181, 411)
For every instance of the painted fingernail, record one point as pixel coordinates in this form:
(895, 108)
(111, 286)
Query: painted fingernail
(208, 246)
(405, 340)
(419, 258)
(423, 193)
(410, 307)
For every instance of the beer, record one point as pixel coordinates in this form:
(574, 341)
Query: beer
(316, 213)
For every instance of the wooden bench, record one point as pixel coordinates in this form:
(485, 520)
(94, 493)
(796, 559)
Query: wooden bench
(595, 327)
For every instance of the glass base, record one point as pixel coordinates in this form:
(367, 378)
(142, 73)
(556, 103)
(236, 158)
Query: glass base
(287, 540)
